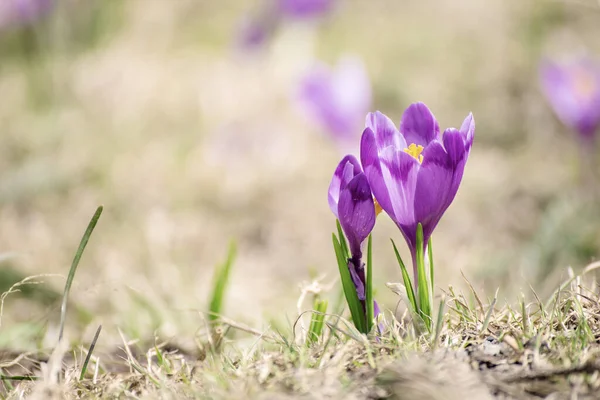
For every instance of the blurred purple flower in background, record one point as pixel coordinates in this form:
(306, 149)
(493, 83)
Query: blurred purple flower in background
(573, 90)
(14, 13)
(304, 8)
(351, 201)
(338, 98)
(259, 27)
(415, 173)
(255, 31)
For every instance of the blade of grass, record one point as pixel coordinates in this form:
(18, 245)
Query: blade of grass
(524, 315)
(490, 310)
(440, 322)
(89, 353)
(74, 264)
(220, 281)
(316, 323)
(19, 378)
(320, 318)
(351, 332)
(354, 304)
(410, 293)
(477, 299)
(8, 386)
(369, 288)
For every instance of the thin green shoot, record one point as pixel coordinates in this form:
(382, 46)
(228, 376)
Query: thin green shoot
(524, 315)
(317, 321)
(410, 293)
(430, 256)
(489, 313)
(7, 384)
(220, 281)
(370, 305)
(423, 296)
(89, 353)
(74, 264)
(440, 321)
(475, 295)
(19, 378)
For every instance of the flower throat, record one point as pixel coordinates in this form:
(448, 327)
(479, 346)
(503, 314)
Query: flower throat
(415, 151)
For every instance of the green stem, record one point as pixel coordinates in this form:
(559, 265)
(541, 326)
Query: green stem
(422, 287)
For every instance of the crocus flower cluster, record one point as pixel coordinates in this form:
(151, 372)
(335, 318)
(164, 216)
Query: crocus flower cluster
(412, 173)
(259, 27)
(573, 90)
(351, 201)
(337, 98)
(14, 13)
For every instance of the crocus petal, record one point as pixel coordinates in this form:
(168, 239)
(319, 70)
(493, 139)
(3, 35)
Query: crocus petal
(369, 157)
(399, 172)
(376, 312)
(433, 188)
(385, 131)
(358, 278)
(392, 175)
(356, 212)
(468, 130)
(344, 172)
(454, 144)
(418, 125)
(458, 152)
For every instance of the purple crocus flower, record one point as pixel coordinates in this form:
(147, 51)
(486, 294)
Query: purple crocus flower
(573, 90)
(337, 99)
(351, 201)
(414, 172)
(23, 12)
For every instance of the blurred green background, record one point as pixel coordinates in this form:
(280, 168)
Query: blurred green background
(149, 107)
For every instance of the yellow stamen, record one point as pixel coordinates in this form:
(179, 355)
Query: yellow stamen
(415, 151)
(378, 208)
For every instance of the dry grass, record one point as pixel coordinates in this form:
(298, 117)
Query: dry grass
(483, 351)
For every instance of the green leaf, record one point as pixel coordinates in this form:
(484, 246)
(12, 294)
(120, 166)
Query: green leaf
(369, 288)
(317, 321)
(221, 278)
(422, 286)
(356, 310)
(430, 256)
(82, 244)
(410, 293)
(342, 239)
